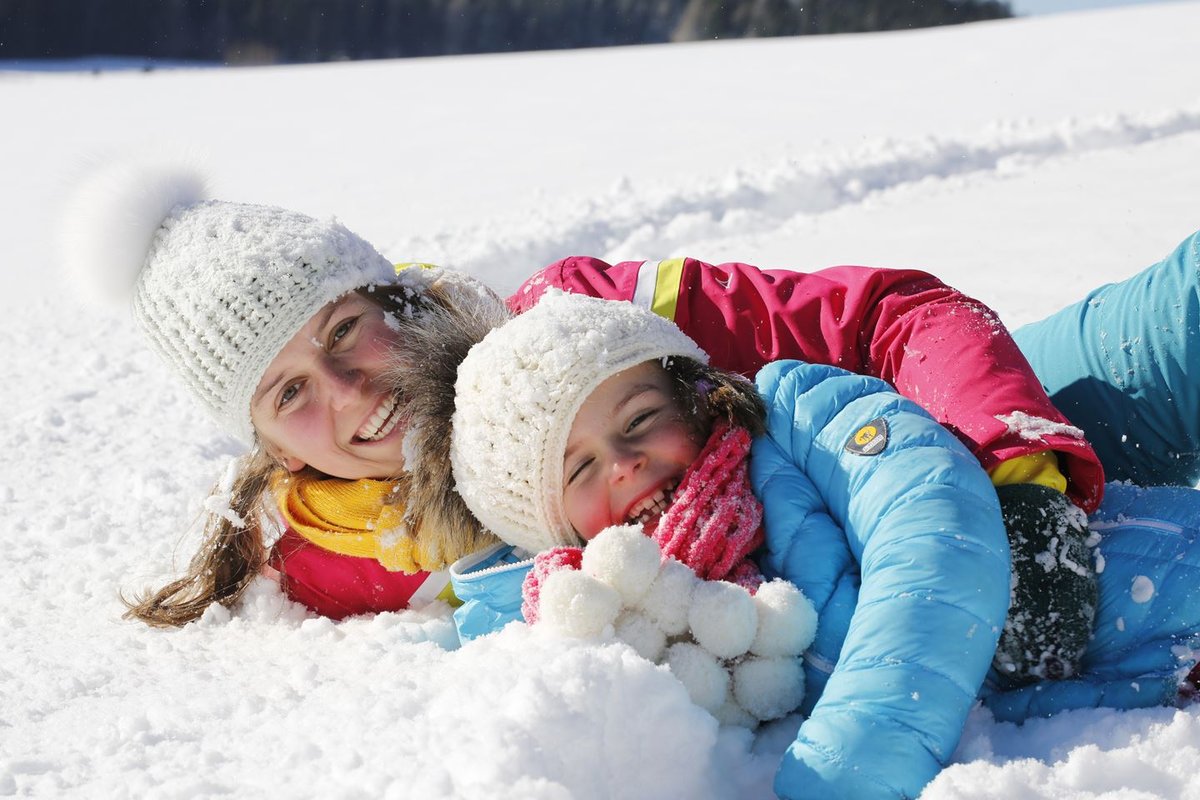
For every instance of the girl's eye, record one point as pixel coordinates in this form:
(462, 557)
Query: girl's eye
(578, 471)
(639, 419)
(342, 330)
(288, 394)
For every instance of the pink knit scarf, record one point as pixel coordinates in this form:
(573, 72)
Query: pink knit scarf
(713, 524)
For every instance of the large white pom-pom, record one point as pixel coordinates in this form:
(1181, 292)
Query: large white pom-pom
(769, 688)
(624, 558)
(642, 634)
(706, 681)
(733, 714)
(787, 620)
(577, 605)
(723, 618)
(110, 221)
(670, 596)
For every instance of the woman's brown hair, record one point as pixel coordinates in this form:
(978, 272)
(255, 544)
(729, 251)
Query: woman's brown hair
(229, 558)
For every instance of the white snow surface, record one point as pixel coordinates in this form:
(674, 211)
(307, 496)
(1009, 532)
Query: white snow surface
(1024, 161)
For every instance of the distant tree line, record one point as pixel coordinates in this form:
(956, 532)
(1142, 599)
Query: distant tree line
(270, 31)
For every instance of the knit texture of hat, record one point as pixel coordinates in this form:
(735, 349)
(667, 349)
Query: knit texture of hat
(226, 285)
(517, 395)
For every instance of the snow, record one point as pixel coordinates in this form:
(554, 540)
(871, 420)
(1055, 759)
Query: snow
(1031, 427)
(1024, 160)
(1142, 590)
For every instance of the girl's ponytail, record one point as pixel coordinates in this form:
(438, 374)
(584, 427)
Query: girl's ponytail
(228, 560)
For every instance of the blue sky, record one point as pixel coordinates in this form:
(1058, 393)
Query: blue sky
(1029, 7)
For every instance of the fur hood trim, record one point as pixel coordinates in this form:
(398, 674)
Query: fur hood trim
(434, 339)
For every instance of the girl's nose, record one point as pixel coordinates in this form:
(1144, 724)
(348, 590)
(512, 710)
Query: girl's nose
(626, 463)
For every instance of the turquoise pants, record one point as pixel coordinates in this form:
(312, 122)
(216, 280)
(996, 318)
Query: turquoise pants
(1123, 364)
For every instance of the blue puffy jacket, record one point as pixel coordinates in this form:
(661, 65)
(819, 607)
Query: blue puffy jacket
(1149, 614)
(910, 596)
(905, 557)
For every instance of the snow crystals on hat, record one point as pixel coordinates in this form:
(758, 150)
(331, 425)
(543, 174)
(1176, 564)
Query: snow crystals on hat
(516, 397)
(218, 287)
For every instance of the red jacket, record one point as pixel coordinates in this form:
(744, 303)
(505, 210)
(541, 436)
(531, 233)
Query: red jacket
(338, 586)
(937, 346)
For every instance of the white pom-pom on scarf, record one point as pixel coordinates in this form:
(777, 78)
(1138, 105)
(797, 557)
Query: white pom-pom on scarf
(625, 558)
(577, 605)
(642, 634)
(787, 620)
(110, 221)
(733, 714)
(768, 688)
(723, 618)
(742, 661)
(670, 596)
(706, 680)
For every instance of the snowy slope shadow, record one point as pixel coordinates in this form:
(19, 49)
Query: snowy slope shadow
(657, 220)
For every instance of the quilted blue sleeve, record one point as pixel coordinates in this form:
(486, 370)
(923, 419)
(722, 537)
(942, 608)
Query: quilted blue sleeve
(921, 529)
(489, 585)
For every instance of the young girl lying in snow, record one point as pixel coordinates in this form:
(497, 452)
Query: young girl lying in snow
(646, 438)
(715, 523)
(234, 297)
(583, 414)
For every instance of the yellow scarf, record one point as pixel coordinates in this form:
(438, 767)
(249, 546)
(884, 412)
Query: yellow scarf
(352, 518)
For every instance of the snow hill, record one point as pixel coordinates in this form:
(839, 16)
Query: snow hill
(1024, 161)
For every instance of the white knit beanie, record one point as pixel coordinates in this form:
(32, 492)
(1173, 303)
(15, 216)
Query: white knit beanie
(517, 395)
(218, 287)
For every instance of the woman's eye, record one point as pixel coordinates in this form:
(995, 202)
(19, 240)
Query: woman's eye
(288, 394)
(342, 330)
(578, 471)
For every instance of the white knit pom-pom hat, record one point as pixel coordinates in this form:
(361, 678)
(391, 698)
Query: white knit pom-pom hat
(218, 287)
(517, 395)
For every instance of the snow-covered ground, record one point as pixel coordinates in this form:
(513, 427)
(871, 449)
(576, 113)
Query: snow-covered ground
(1024, 161)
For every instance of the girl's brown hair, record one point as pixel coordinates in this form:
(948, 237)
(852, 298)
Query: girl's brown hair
(709, 393)
(436, 327)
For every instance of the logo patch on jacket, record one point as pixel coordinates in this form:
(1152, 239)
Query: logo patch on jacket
(870, 439)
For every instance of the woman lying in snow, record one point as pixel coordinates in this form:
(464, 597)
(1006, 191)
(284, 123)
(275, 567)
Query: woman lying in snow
(234, 296)
(582, 418)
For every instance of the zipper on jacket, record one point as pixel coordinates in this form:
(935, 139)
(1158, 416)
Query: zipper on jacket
(464, 568)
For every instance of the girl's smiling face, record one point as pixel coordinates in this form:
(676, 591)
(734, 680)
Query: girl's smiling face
(627, 450)
(324, 401)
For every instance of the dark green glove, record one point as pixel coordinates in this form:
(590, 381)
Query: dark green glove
(1054, 594)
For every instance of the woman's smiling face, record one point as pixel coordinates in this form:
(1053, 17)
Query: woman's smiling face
(324, 402)
(628, 447)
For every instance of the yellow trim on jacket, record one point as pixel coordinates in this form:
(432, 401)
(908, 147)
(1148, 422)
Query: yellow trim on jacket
(1040, 468)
